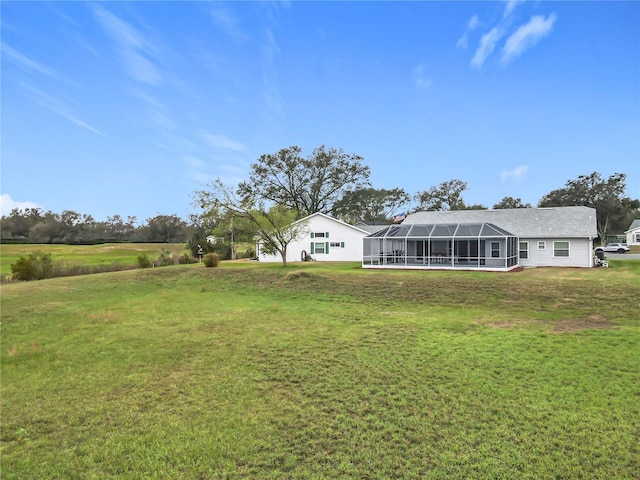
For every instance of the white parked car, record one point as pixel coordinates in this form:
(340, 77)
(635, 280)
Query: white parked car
(614, 247)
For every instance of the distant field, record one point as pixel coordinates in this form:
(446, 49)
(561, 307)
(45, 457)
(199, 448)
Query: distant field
(125, 253)
(252, 371)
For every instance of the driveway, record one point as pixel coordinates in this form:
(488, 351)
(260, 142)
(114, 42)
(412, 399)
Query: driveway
(622, 256)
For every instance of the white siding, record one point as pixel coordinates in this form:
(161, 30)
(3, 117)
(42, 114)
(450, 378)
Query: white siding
(338, 232)
(633, 237)
(580, 253)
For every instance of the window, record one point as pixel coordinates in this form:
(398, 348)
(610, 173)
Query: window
(319, 247)
(560, 249)
(495, 249)
(319, 234)
(637, 237)
(524, 250)
(542, 245)
(337, 244)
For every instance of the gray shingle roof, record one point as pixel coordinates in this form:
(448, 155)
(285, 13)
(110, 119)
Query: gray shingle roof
(370, 228)
(523, 222)
(634, 224)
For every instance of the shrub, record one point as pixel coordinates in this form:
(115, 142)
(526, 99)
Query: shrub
(143, 261)
(210, 260)
(35, 266)
(165, 258)
(248, 253)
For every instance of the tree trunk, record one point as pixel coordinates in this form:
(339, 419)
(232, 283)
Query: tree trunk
(283, 252)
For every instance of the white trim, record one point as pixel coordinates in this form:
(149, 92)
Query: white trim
(568, 249)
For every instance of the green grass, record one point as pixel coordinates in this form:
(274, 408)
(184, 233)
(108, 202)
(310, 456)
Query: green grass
(108, 253)
(322, 371)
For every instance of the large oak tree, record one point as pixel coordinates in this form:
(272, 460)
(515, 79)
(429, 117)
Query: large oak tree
(446, 196)
(305, 184)
(371, 205)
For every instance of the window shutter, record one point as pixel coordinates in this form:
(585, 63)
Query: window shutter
(326, 234)
(312, 252)
(341, 244)
(326, 246)
(312, 236)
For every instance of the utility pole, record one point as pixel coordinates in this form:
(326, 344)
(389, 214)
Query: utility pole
(233, 248)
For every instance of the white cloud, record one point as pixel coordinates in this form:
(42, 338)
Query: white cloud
(221, 141)
(527, 36)
(473, 23)
(7, 204)
(59, 107)
(157, 111)
(463, 42)
(223, 18)
(194, 162)
(31, 65)
(487, 45)
(134, 47)
(510, 7)
(274, 102)
(420, 77)
(517, 173)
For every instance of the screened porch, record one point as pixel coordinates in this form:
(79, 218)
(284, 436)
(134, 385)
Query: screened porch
(481, 246)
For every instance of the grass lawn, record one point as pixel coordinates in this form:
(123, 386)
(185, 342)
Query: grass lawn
(107, 253)
(322, 371)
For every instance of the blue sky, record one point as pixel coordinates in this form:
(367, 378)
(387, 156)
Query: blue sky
(129, 107)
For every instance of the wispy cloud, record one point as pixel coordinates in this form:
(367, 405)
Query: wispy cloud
(136, 50)
(510, 7)
(196, 169)
(194, 162)
(226, 21)
(7, 204)
(157, 110)
(274, 8)
(271, 95)
(421, 80)
(463, 41)
(30, 65)
(222, 141)
(58, 107)
(527, 36)
(487, 45)
(517, 173)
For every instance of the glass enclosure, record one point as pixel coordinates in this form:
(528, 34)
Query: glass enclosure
(457, 245)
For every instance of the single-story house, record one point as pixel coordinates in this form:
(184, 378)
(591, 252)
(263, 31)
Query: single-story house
(633, 233)
(326, 239)
(499, 240)
(213, 240)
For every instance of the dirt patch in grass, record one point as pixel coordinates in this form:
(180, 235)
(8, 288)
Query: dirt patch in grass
(590, 322)
(300, 275)
(567, 325)
(511, 323)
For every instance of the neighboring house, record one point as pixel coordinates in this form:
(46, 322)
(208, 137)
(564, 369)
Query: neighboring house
(371, 228)
(213, 240)
(326, 240)
(498, 240)
(633, 233)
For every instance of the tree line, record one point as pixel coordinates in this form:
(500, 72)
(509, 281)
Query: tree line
(37, 226)
(285, 186)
